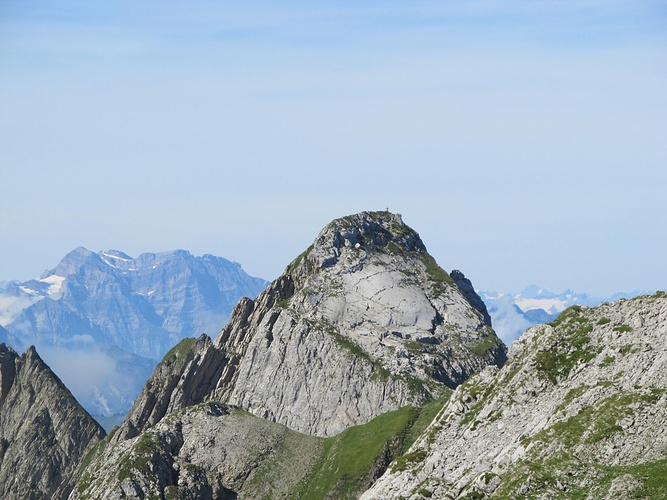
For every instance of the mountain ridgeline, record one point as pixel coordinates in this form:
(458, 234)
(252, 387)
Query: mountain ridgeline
(143, 306)
(121, 314)
(364, 370)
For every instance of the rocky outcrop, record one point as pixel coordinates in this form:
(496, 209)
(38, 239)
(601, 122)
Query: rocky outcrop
(579, 410)
(468, 290)
(361, 323)
(186, 375)
(205, 451)
(44, 432)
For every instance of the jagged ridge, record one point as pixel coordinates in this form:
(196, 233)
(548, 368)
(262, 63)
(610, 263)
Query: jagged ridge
(44, 432)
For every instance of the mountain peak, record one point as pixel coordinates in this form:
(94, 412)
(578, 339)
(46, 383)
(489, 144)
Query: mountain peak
(353, 239)
(365, 306)
(44, 431)
(71, 262)
(367, 232)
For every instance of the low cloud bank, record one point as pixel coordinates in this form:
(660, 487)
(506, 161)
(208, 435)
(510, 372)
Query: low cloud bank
(105, 381)
(508, 321)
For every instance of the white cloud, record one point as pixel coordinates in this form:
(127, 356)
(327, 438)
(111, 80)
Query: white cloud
(11, 306)
(507, 322)
(83, 339)
(79, 369)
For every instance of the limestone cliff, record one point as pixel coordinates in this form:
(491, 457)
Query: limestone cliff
(363, 322)
(578, 411)
(44, 432)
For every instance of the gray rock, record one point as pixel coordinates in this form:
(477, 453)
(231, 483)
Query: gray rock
(468, 290)
(205, 451)
(580, 407)
(361, 323)
(44, 432)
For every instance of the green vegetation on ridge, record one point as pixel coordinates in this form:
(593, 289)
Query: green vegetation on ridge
(574, 345)
(350, 460)
(179, 351)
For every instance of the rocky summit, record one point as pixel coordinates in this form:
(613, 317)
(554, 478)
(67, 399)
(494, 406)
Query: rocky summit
(362, 323)
(44, 432)
(578, 411)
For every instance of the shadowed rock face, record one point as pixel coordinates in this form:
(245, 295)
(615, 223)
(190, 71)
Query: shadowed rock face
(579, 410)
(44, 432)
(361, 323)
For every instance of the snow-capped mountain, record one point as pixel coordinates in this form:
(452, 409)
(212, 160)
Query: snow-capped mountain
(512, 313)
(102, 320)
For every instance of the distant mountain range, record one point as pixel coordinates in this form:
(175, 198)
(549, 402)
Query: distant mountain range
(103, 320)
(512, 314)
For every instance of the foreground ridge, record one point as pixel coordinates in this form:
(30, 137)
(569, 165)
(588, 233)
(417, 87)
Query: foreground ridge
(580, 408)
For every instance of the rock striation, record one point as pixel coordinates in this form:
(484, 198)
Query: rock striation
(361, 323)
(578, 411)
(44, 432)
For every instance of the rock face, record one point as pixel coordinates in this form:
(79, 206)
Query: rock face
(124, 312)
(579, 410)
(44, 432)
(205, 451)
(363, 322)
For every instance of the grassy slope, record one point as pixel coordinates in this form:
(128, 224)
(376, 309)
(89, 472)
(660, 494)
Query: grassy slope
(351, 460)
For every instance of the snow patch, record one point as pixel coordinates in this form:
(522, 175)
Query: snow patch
(81, 338)
(552, 306)
(117, 257)
(102, 256)
(56, 283)
(28, 291)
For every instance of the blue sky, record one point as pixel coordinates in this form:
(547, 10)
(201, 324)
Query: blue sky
(526, 141)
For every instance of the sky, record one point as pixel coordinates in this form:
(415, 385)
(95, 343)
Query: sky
(526, 141)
